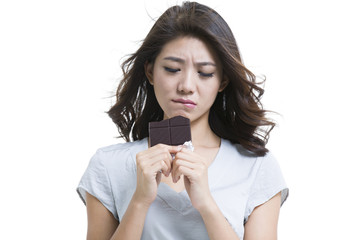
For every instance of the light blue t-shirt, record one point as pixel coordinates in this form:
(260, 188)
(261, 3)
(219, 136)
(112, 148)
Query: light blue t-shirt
(238, 181)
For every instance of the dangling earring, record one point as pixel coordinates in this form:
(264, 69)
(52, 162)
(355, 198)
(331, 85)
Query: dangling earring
(224, 101)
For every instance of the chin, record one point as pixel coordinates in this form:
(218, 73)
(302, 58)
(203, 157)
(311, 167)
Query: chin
(178, 113)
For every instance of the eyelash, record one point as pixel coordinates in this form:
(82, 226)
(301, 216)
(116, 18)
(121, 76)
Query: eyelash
(207, 75)
(174, 70)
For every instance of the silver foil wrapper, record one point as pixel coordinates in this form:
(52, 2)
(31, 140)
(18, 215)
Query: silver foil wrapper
(189, 145)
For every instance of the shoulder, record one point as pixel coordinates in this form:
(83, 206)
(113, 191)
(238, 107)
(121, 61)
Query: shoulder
(237, 151)
(235, 164)
(238, 155)
(119, 154)
(123, 147)
(244, 164)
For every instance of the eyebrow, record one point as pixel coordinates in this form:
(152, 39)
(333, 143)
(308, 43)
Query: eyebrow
(180, 60)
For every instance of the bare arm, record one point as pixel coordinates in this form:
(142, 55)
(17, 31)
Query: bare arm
(262, 223)
(216, 224)
(101, 222)
(103, 225)
(132, 223)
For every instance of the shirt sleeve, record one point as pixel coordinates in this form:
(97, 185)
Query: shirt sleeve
(267, 183)
(96, 182)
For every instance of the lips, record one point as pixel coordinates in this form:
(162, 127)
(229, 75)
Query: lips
(186, 102)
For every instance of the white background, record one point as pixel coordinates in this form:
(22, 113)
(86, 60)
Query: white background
(59, 66)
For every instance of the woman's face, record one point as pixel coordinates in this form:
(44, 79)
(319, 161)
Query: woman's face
(186, 76)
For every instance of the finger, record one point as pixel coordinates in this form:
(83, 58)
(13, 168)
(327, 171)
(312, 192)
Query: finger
(185, 149)
(147, 164)
(174, 149)
(170, 148)
(180, 156)
(176, 174)
(157, 149)
(165, 158)
(161, 166)
(152, 172)
(154, 155)
(184, 163)
(158, 178)
(187, 156)
(182, 170)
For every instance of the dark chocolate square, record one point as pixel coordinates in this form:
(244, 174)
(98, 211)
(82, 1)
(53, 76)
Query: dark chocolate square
(173, 131)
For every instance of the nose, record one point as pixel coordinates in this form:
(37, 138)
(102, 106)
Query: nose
(187, 83)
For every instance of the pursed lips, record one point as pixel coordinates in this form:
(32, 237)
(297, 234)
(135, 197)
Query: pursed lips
(188, 103)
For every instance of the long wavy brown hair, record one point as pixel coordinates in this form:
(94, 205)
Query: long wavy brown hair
(237, 113)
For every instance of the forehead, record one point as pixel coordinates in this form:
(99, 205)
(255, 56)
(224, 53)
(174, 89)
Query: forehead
(188, 48)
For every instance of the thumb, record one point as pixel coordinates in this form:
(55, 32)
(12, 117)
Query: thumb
(175, 149)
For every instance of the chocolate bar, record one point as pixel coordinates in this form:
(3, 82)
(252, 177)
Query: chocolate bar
(173, 131)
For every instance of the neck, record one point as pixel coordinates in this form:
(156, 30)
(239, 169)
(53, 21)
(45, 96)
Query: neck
(203, 136)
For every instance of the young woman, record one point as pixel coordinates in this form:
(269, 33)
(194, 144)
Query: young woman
(230, 186)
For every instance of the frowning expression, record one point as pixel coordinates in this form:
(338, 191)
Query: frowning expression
(187, 77)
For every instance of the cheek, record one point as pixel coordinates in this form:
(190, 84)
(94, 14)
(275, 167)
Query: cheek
(162, 86)
(164, 83)
(210, 91)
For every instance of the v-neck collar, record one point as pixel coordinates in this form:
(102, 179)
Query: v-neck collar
(181, 200)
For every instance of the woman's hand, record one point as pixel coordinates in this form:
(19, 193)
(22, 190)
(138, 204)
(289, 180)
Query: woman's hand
(195, 170)
(150, 164)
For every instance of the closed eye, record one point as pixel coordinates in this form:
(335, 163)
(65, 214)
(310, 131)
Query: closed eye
(208, 75)
(172, 70)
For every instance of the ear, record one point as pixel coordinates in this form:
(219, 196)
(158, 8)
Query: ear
(149, 67)
(224, 83)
